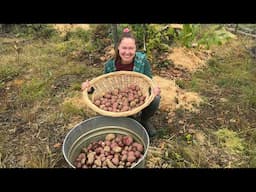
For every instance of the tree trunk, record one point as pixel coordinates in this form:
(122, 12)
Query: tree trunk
(144, 37)
(114, 32)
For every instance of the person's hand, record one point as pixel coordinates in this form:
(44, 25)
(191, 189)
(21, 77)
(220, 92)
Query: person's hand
(157, 91)
(86, 85)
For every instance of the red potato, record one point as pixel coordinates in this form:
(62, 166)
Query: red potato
(124, 152)
(103, 158)
(139, 147)
(114, 106)
(99, 150)
(127, 140)
(81, 156)
(137, 154)
(107, 143)
(115, 161)
(118, 150)
(97, 102)
(78, 164)
(130, 153)
(124, 157)
(131, 158)
(107, 104)
(108, 96)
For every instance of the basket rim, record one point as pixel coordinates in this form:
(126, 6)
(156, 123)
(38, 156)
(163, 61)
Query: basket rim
(125, 113)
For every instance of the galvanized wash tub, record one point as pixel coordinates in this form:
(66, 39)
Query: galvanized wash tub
(97, 128)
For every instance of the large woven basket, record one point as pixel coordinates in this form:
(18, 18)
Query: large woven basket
(121, 80)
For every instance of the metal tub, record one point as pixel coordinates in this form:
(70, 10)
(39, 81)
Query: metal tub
(97, 128)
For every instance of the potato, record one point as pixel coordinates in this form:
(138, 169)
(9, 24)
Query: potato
(114, 151)
(99, 150)
(107, 143)
(90, 157)
(115, 161)
(81, 156)
(118, 138)
(117, 149)
(78, 164)
(106, 148)
(139, 147)
(107, 104)
(83, 160)
(131, 158)
(120, 143)
(109, 156)
(113, 144)
(108, 96)
(142, 98)
(130, 98)
(139, 93)
(103, 158)
(124, 157)
(127, 140)
(97, 102)
(102, 106)
(110, 164)
(114, 106)
(137, 154)
(110, 137)
(125, 108)
(132, 103)
(130, 153)
(97, 162)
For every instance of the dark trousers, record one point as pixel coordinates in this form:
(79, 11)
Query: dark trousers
(150, 110)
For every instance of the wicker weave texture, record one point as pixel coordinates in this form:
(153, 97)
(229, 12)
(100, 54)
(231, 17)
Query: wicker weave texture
(121, 80)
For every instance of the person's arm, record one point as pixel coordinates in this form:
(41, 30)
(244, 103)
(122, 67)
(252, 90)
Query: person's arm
(109, 66)
(148, 72)
(147, 68)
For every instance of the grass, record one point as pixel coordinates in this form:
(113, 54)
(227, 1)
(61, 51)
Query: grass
(226, 119)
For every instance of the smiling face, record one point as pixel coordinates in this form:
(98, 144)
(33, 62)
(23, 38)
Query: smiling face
(127, 50)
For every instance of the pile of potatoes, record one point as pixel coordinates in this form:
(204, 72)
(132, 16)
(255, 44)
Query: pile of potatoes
(116, 151)
(120, 100)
